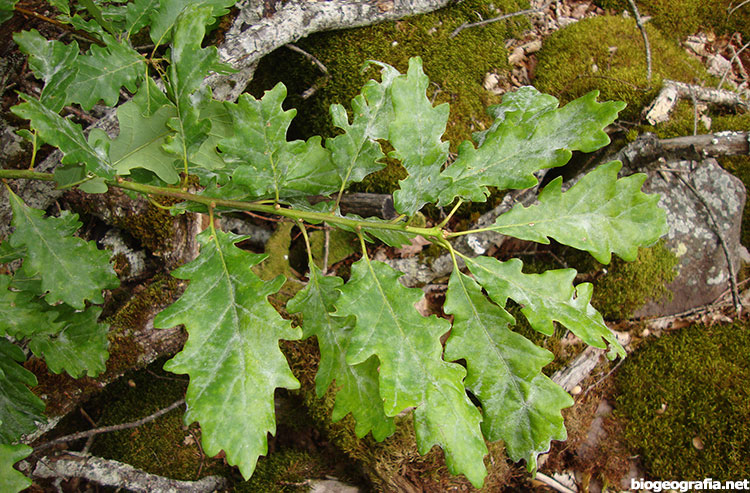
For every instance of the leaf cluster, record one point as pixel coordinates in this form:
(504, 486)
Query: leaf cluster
(382, 355)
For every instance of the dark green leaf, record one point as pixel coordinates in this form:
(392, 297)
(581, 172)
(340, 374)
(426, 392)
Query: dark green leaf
(7, 9)
(72, 270)
(20, 409)
(139, 14)
(164, 18)
(21, 314)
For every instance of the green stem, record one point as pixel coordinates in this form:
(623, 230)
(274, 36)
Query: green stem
(450, 215)
(302, 228)
(294, 214)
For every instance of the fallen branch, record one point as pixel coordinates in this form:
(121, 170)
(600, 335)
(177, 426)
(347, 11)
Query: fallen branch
(553, 483)
(467, 25)
(731, 62)
(639, 23)
(118, 475)
(672, 91)
(107, 429)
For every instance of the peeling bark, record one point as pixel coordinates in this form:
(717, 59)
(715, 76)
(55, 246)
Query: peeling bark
(672, 91)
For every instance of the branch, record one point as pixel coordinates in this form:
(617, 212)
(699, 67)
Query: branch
(118, 475)
(639, 23)
(107, 429)
(466, 25)
(672, 91)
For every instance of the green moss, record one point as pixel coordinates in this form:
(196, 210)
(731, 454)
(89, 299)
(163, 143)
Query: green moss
(283, 471)
(688, 384)
(614, 45)
(159, 291)
(456, 66)
(628, 286)
(341, 244)
(680, 18)
(164, 446)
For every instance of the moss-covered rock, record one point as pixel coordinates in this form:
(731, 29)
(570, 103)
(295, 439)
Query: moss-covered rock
(607, 53)
(689, 385)
(456, 67)
(680, 18)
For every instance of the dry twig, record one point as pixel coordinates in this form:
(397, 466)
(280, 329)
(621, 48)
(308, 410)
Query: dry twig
(639, 23)
(467, 25)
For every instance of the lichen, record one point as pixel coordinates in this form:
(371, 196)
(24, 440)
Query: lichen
(606, 53)
(687, 385)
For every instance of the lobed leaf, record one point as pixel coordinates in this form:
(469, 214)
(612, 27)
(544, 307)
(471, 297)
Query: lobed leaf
(104, 71)
(415, 133)
(412, 372)
(600, 214)
(164, 18)
(20, 313)
(232, 353)
(53, 62)
(77, 343)
(72, 270)
(20, 409)
(139, 13)
(265, 164)
(545, 298)
(356, 153)
(11, 480)
(358, 390)
(7, 9)
(521, 406)
(529, 135)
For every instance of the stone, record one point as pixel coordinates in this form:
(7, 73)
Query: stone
(703, 273)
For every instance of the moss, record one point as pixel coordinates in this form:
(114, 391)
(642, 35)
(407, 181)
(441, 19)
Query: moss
(628, 286)
(615, 47)
(164, 446)
(341, 244)
(688, 384)
(680, 18)
(283, 471)
(153, 228)
(456, 66)
(161, 290)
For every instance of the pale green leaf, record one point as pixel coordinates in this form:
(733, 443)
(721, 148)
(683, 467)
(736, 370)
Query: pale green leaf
(72, 269)
(531, 136)
(415, 133)
(77, 343)
(521, 406)
(139, 144)
(391, 237)
(356, 153)
(165, 17)
(20, 313)
(20, 409)
(545, 298)
(232, 353)
(357, 384)
(600, 214)
(53, 62)
(150, 98)
(104, 71)
(207, 157)
(265, 163)
(11, 480)
(67, 136)
(61, 5)
(412, 371)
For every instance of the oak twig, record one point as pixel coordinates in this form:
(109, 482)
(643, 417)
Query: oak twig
(639, 23)
(467, 25)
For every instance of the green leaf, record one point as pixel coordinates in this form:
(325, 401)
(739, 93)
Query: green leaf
(20, 409)
(140, 142)
(190, 65)
(53, 62)
(600, 214)
(390, 237)
(529, 136)
(412, 371)
(265, 164)
(20, 314)
(521, 406)
(61, 5)
(67, 136)
(11, 480)
(150, 98)
(77, 343)
(7, 9)
(232, 354)
(356, 153)
(139, 13)
(103, 71)
(415, 133)
(357, 384)
(545, 298)
(72, 269)
(165, 17)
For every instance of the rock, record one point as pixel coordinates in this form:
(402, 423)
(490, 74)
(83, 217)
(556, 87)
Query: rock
(332, 486)
(703, 273)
